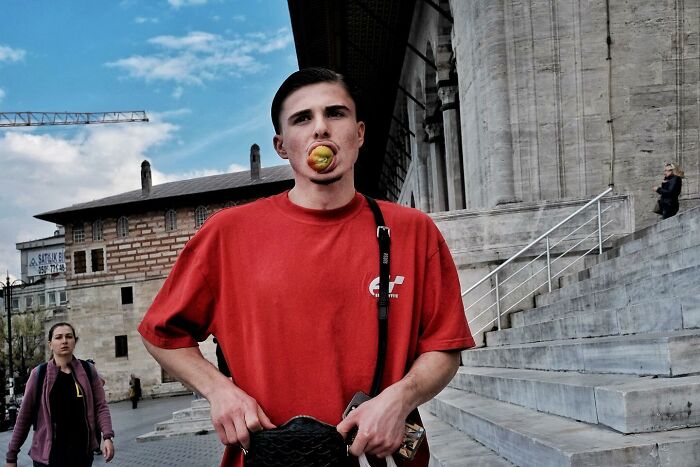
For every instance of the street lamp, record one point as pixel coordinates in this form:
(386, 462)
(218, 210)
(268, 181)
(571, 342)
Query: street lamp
(8, 286)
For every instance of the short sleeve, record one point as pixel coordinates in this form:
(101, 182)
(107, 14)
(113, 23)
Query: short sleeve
(443, 323)
(182, 312)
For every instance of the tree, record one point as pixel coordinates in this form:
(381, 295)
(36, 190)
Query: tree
(28, 344)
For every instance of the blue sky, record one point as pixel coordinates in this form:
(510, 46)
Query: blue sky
(204, 70)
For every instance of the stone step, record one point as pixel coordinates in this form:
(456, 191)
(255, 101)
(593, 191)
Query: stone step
(193, 425)
(670, 353)
(663, 314)
(629, 261)
(626, 403)
(450, 447)
(639, 268)
(679, 282)
(199, 403)
(192, 413)
(533, 439)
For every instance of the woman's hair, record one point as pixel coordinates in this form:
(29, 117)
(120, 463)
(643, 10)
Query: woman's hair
(59, 325)
(676, 169)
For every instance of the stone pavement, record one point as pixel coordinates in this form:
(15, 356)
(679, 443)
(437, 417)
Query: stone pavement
(185, 451)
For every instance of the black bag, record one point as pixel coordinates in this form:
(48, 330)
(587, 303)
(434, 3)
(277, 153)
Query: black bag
(304, 441)
(657, 208)
(301, 442)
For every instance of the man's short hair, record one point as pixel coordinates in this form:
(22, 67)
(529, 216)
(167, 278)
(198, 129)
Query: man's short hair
(302, 78)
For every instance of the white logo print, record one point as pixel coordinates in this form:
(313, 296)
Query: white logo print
(374, 286)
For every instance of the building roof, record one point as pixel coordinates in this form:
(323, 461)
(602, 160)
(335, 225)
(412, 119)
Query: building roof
(366, 41)
(272, 179)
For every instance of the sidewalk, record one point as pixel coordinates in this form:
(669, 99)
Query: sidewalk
(185, 451)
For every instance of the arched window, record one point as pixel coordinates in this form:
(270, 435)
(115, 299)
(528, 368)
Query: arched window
(200, 215)
(97, 230)
(170, 220)
(122, 227)
(78, 232)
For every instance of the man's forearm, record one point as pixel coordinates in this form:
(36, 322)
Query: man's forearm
(189, 366)
(428, 375)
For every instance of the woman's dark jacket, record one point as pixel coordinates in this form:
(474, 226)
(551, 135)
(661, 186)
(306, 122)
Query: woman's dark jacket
(670, 190)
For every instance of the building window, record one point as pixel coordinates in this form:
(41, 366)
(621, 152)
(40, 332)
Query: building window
(29, 303)
(79, 266)
(122, 227)
(97, 258)
(121, 348)
(97, 230)
(62, 297)
(170, 220)
(42, 300)
(79, 232)
(15, 304)
(200, 215)
(127, 295)
(52, 299)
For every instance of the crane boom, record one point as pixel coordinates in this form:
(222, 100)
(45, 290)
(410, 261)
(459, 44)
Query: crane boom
(16, 119)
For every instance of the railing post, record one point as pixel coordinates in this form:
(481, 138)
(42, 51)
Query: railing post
(600, 231)
(498, 302)
(549, 270)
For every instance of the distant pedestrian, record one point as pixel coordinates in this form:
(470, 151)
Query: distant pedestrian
(133, 393)
(65, 402)
(670, 190)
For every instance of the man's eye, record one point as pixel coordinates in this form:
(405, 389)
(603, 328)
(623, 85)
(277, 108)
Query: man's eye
(301, 118)
(335, 113)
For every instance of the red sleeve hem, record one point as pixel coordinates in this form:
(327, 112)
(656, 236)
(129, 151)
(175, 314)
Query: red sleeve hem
(166, 342)
(444, 345)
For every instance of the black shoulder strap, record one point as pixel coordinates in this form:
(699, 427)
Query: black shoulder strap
(384, 239)
(40, 377)
(88, 369)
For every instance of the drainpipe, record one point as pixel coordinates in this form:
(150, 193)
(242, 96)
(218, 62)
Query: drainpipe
(608, 40)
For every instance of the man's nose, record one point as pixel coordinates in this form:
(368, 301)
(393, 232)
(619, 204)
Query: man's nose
(321, 128)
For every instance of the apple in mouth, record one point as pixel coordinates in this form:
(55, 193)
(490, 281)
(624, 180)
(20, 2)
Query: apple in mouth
(320, 158)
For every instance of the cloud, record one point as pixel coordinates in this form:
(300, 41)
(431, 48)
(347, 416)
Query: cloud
(142, 20)
(42, 171)
(8, 54)
(180, 3)
(177, 93)
(238, 18)
(2, 94)
(200, 56)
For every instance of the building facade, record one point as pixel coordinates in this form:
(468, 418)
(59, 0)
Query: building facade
(120, 249)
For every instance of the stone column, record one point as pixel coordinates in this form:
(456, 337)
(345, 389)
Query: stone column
(453, 160)
(422, 179)
(437, 158)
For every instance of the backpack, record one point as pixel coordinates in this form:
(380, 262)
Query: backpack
(41, 376)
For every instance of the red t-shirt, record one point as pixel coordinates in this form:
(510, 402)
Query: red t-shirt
(289, 293)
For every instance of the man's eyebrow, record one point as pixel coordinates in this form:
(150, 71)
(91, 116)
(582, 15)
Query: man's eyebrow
(337, 107)
(301, 113)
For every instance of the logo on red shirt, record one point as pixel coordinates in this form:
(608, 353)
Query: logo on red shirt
(374, 286)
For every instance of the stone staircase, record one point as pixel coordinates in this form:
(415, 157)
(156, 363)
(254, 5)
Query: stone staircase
(604, 371)
(195, 419)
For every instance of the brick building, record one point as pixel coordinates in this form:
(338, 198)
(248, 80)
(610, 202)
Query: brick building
(120, 249)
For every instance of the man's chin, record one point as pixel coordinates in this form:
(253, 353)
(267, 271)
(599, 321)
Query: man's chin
(326, 181)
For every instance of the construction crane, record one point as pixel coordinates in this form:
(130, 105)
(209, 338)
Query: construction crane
(18, 119)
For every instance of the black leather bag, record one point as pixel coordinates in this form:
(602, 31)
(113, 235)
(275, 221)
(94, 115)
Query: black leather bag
(302, 441)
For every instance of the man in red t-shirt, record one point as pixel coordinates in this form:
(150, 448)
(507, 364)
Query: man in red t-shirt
(288, 286)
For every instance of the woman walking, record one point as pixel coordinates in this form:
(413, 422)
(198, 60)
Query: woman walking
(65, 402)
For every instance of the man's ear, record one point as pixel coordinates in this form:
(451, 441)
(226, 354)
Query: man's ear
(361, 133)
(278, 144)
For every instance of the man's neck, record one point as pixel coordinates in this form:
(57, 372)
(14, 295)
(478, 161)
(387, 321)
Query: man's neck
(313, 196)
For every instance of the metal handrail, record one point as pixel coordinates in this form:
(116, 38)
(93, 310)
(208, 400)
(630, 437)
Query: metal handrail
(544, 236)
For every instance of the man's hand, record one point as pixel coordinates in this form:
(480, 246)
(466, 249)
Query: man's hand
(234, 414)
(11, 464)
(108, 450)
(379, 422)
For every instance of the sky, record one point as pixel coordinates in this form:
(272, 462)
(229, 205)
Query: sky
(204, 71)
